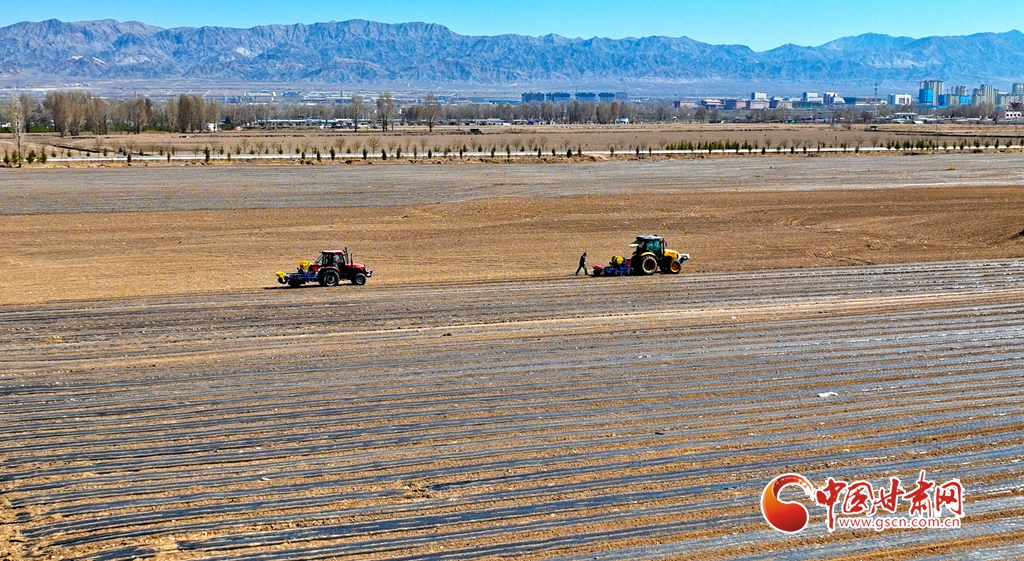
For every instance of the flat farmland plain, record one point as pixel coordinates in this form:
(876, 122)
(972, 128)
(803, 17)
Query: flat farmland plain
(494, 406)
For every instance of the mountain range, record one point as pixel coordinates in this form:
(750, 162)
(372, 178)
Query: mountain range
(371, 53)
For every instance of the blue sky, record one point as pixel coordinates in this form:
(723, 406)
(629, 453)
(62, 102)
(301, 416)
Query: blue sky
(760, 25)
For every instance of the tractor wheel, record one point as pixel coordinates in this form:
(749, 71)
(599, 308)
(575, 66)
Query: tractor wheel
(648, 265)
(294, 283)
(359, 279)
(330, 278)
(675, 266)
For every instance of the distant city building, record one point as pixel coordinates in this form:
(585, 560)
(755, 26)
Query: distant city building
(684, 105)
(759, 96)
(712, 103)
(929, 92)
(899, 100)
(1009, 115)
(780, 103)
(565, 97)
(1016, 94)
(832, 98)
(958, 96)
(812, 97)
(734, 104)
(533, 97)
(986, 94)
(905, 117)
(758, 104)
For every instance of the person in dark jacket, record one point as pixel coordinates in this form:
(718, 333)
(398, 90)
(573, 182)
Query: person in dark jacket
(583, 265)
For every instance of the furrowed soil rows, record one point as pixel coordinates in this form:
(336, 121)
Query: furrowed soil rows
(201, 188)
(555, 419)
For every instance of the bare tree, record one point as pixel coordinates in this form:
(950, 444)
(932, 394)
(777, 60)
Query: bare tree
(373, 142)
(184, 111)
(357, 110)
(339, 143)
(67, 110)
(17, 111)
(431, 111)
(57, 104)
(139, 112)
(386, 108)
(97, 112)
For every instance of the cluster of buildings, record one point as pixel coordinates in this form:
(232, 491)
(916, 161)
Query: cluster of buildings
(760, 100)
(565, 97)
(933, 95)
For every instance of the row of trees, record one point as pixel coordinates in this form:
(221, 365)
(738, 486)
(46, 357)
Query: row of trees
(72, 112)
(75, 111)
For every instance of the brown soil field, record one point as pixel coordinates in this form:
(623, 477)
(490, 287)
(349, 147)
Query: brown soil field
(145, 232)
(162, 397)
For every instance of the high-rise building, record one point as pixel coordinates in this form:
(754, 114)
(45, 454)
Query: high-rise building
(533, 97)
(959, 95)
(928, 94)
(986, 94)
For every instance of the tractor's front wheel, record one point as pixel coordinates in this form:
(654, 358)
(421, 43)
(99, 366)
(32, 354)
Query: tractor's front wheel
(359, 279)
(648, 265)
(330, 278)
(675, 266)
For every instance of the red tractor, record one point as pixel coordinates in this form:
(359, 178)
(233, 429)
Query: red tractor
(329, 269)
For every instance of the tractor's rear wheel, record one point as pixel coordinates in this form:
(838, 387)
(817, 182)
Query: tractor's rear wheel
(675, 266)
(330, 278)
(359, 279)
(648, 265)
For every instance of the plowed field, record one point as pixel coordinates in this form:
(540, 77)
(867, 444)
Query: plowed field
(474, 400)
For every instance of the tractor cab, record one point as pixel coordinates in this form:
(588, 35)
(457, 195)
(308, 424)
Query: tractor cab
(650, 255)
(649, 244)
(337, 258)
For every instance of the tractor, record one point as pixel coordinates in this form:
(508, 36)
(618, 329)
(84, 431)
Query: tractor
(650, 255)
(329, 269)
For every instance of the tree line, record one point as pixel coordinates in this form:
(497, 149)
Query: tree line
(76, 111)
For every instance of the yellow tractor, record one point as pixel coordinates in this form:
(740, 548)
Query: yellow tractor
(650, 255)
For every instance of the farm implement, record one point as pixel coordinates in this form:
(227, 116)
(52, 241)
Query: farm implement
(649, 256)
(329, 269)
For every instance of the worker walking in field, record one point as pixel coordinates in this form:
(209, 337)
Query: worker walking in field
(583, 265)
